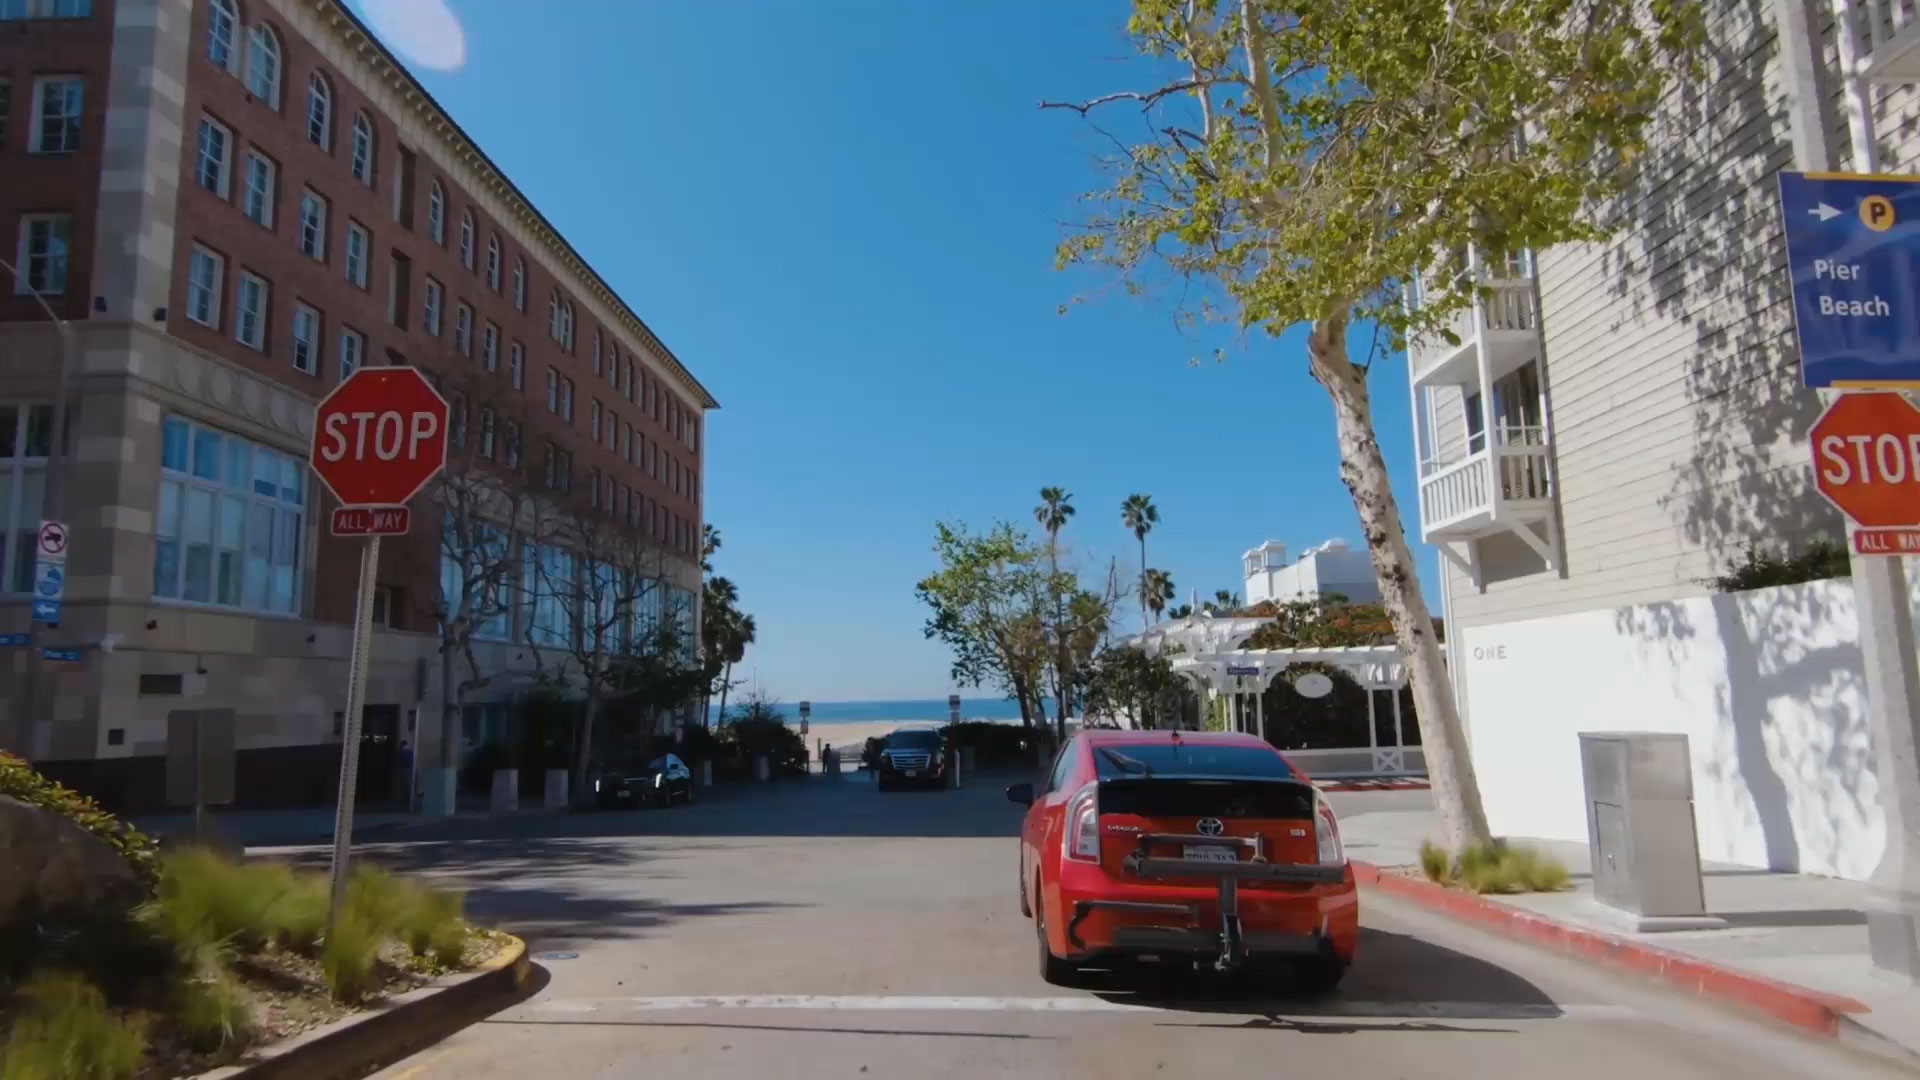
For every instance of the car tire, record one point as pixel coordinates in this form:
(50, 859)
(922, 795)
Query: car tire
(1026, 908)
(884, 786)
(1319, 975)
(1053, 970)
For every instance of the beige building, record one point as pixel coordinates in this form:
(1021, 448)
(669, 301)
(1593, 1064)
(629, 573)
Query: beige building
(229, 205)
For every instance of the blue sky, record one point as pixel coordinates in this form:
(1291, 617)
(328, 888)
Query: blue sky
(844, 224)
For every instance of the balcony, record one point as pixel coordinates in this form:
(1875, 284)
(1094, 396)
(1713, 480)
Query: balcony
(1889, 31)
(1509, 484)
(1505, 320)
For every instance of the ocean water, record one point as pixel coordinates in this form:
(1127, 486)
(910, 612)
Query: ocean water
(932, 710)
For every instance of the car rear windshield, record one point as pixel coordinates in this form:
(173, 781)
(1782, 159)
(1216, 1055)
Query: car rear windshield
(914, 740)
(1119, 760)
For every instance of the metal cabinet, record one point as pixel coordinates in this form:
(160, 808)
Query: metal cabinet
(1640, 825)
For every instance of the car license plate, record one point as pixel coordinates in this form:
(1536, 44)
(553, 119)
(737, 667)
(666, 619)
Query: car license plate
(912, 772)
(1209, 853)
(625, 794)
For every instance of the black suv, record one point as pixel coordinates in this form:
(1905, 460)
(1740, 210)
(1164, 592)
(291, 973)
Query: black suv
(913, 757)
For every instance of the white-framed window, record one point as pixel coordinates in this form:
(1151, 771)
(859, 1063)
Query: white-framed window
(431, 308)
(26, 434)
(553, 316)
(215, 168)
(466, 239)
(463, 330)
(488, 603)
(258, 202)
(493, 262)
(517, 366)
(353, 351)
(519, 283)
(566, 398)
(510, 443)
(363, 148)
(313, 225)
(57, 104)
(307, 340)
(597, 365)
(358, 244)
(593, 490)
(490, 347)
(263, 65)
(553, 391)
(222, 23)
(457, 420)
(231, 521)
(486, 433)
(437, 214)
(206, 278)
(626, 442)
(547, 582)
(251, 304)
(593, 419)
(320, 112)
(42, 256)
(626, 378)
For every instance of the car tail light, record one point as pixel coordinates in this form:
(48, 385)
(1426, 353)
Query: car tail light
(1326, 833)
(1083, 824)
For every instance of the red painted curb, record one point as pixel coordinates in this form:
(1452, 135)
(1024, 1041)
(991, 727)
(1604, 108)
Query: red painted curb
(1809, 1010)
(1372, 785)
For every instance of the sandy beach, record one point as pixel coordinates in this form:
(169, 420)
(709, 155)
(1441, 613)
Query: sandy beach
(849, 737)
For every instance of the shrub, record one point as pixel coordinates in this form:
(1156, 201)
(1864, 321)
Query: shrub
(1761, 568)
(1499, 867)
(433, 926)
(1437, 864)
(350, 956)
(20, 781)
(209, 1009)
(64, 1029)
(204, 900)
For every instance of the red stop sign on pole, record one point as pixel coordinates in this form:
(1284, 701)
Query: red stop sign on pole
(380, 436)
(1866, 461)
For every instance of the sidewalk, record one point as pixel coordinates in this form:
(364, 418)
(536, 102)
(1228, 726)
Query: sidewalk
(1797, 931)
(309, 825)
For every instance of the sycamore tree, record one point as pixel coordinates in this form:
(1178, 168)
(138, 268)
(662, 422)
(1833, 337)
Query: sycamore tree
(1297, 162)
(988, 605)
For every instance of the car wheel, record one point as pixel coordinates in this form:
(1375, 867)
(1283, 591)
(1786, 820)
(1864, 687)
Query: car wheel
(884, 785)
(1319, 975)
(1053, 970)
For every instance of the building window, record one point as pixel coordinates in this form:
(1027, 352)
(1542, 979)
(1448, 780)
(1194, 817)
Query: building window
(260, 181)
(486, 433)
(493, 262)
(222, 21)
(457, 420)
(6, 110)
(363, 149)
(553, 391)
(593, 490)
(56, 110)
(216, 157)
(490, 347)
(554, 329)
(26, 434)
(463, 330)
(250, 311)
(593, 419)
(230, 524)
(263, 65)
(626, 378)
(466, 239)
(693, 434)
(519, 283)
(512, 444)
(626, 442)
(306, 339)
(566, 398)
(597, 366)
(547, 580)
(353, 352)
(399, 290)
(206, 273)
(437, 214)
(559, 469)
(517, 366)
(356, 261)
(430, 313)
(488, 602)
(42, 258)
(313, 226)
(319, 112)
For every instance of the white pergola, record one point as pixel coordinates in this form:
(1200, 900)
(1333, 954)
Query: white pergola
(1208, 656)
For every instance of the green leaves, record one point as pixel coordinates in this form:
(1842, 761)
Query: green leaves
(1312, 156)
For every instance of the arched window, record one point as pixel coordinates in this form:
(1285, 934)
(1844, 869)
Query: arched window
(437, 214)
(566, 325)
(553, 316)
(466, 239)
(493, 262)
(319, 112)
(222, 22)
(363, 149)
(519, 283)
(263, 64)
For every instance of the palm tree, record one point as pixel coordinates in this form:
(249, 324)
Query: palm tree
(1224, 602)
(1157, 591)
(1056, 506)
(1139, 515)
(739, 635)
(717, 612)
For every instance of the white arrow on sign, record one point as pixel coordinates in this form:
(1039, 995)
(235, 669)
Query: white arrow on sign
(1824, 212)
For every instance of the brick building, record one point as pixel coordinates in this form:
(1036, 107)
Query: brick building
(231, 204)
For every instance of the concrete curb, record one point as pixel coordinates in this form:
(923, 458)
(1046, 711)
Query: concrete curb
(1813, 1011)
(365, 1042)
(1372, 785)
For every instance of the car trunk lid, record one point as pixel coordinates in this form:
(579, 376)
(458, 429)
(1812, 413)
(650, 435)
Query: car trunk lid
(1278, 812)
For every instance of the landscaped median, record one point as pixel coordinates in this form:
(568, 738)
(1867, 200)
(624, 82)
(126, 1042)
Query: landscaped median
(1810, 1010)
(118, 961)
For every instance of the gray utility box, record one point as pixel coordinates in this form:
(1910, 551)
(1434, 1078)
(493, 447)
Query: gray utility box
(1640, 830)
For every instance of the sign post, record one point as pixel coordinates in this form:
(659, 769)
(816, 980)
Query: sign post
(1853, 254)
(378, 438)
(49, 571)
(806, 711)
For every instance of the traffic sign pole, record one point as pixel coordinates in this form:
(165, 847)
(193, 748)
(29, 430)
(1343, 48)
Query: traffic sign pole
(350, 728)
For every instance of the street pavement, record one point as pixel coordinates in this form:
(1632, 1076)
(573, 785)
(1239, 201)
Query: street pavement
(820, 929)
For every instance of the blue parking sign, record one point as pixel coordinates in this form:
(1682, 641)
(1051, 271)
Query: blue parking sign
(1853, 258)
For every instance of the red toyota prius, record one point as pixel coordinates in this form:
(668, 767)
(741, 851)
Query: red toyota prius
(1185, 846)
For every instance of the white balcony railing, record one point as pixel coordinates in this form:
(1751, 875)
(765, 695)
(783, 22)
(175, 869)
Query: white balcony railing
(1508, 307)
(1887, 33)
(1517, 471)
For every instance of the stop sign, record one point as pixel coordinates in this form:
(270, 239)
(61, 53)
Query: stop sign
(1866, 458)
(380, 436)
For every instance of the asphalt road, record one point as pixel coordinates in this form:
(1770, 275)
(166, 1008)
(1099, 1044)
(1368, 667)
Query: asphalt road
(820, 929)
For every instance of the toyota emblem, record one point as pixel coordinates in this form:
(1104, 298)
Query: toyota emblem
(1210, 826)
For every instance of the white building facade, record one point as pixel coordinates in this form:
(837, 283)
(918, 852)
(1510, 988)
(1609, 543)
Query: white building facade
(1329, 569)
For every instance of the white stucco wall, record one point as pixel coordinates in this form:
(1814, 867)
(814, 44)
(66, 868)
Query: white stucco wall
(1766, 684)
